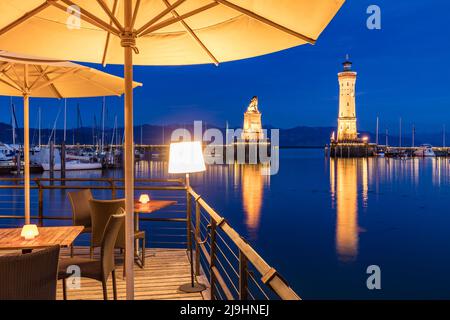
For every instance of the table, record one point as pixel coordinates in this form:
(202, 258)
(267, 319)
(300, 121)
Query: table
(151, 206)
(10, 238)
(147, 208)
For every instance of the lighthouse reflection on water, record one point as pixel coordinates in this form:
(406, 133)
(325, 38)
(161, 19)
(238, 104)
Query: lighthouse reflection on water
(344, 192)
(249, 185)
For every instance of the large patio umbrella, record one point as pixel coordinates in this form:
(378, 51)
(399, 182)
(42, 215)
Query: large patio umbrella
(158, 32)
(28, 76)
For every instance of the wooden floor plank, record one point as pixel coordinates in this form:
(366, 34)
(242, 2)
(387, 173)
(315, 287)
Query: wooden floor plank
(165, 270)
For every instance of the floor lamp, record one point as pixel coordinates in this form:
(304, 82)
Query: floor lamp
(186, 158)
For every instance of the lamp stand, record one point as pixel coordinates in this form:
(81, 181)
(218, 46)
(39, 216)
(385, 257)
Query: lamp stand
(188, 183)
(192, 287)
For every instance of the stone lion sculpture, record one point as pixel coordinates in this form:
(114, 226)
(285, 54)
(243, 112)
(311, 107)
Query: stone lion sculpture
(253, 106)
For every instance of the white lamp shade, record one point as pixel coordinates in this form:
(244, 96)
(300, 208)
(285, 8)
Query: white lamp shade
(29, 231)
(186, 157)
(144, 198)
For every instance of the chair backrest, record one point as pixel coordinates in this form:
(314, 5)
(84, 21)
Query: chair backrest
(112, 230)
(29, 276)
(101, 211)
(81, 209)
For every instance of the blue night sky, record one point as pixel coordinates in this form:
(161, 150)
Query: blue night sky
(403, 71)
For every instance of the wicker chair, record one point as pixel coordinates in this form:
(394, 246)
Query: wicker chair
(98, 269)
(29, 276)
(81, 210)
(101, 211)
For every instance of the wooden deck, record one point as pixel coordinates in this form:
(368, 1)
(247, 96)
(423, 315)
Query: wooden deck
(165, 270)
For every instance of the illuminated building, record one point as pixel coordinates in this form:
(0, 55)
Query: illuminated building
(347, 128)
(252, 130)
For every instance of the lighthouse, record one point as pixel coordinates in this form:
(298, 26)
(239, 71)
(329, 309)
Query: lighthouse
(347, 129)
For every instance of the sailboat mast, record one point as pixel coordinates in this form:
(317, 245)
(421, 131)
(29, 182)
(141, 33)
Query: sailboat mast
(443, 136)
(39, 121)
(52, 133)
(103, 124)
(80, 122)
(226, 133)
(93, 134)
(114, 133)
(13, 123)
(96, 144)
(65, 119)
(378, 123)
(387, 137)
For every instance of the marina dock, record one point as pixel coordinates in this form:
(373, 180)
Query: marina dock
(361, 150)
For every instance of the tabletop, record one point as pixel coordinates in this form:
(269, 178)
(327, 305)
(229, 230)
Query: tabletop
(10, 238)
(152, 206)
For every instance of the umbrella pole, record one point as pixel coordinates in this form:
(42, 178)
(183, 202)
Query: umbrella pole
(26, 155)
(127, 43)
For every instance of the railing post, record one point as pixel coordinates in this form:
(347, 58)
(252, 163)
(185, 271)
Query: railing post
(243, 276)
(40, 203)
(63, 163)
(113, 188)
(212, 254)
(188, 221)
(197, 237)
(51, 161)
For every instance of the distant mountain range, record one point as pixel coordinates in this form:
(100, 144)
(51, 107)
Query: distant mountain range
(301, 136)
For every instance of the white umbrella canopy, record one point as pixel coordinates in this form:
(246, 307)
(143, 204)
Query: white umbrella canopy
(158, 32)
(48, 78)
(194, 32)
(29, 76)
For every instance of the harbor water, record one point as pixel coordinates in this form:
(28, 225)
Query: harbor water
(322, 222)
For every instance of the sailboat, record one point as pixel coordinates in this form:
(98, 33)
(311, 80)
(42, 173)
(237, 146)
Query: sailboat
(379, 153)
(113, 157)
(42, 157)
(138, 153)
(425, 151)
(70, 165)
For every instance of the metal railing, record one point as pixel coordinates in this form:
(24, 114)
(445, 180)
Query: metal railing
(233, 269)
(49, 205)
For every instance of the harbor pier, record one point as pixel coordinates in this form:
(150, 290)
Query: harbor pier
(351, 150)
